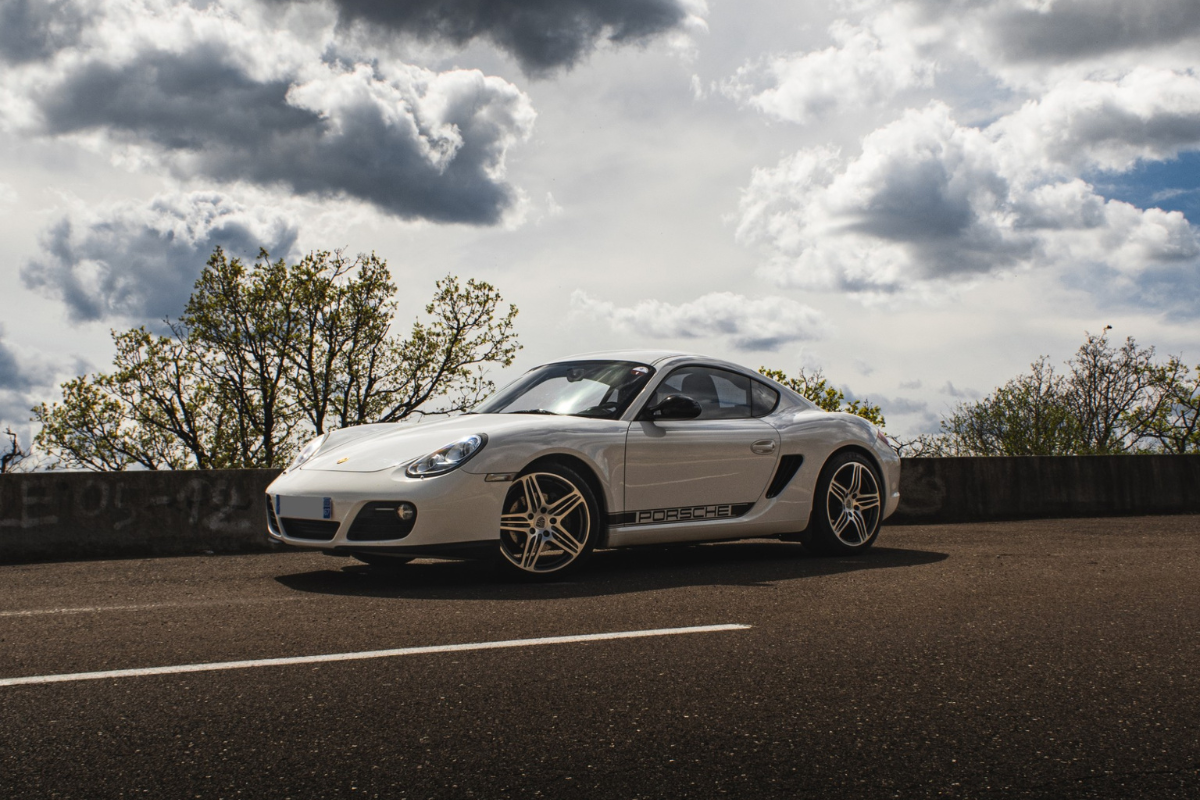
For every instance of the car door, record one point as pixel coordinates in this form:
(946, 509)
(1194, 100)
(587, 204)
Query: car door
(685, 468)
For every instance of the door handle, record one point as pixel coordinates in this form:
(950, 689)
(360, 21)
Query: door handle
(763, 447)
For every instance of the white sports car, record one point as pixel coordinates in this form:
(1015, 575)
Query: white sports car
(603, 450)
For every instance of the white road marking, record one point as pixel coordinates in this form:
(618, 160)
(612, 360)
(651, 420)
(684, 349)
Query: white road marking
(401, 651)
(38, 612)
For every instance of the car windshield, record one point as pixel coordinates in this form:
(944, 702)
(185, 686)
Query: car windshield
(602, 389)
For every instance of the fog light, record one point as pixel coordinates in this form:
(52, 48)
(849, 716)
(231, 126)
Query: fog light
(406, 511)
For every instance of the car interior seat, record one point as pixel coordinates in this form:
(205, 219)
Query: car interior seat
(700, 387)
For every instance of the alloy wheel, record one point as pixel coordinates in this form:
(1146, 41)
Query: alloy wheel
(853, 504)
(546, 523)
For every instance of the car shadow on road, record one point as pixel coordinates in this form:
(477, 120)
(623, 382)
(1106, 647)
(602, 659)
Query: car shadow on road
(614, 572)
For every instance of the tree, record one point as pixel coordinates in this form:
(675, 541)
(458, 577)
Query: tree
(1028, 416)
(816, 388)
(1107, 389)
(1172, 420)
(100, 426)
(1110, 400)
(268, 354)
(238, 331)
(13, 455)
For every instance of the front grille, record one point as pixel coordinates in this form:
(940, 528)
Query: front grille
(378, 522)
(316, 530)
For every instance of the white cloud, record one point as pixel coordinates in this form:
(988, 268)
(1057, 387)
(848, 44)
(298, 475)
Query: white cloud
(924, 200)
(862, 68)
(746, 324)
(929, 202)
(1081, 125)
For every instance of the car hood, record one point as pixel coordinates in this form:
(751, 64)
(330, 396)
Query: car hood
(370, 448)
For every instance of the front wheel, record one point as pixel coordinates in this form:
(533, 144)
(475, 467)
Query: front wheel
(549, 523)
(847, 507)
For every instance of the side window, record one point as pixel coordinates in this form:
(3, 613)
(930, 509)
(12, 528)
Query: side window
(763, 399)
(721, 394)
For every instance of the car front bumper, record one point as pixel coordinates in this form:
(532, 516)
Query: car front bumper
(455, 508)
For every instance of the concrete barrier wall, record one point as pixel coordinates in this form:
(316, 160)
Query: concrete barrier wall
(939, 490)
(76, 515)
(54, 516)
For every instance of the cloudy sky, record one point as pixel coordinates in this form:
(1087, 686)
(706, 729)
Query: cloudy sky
(918, 197)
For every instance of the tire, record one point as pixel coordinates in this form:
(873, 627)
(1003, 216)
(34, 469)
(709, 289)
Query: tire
(382, 561)
(549, 523)
(847, 507)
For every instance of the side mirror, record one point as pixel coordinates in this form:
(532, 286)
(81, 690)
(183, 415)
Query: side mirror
(675, 406)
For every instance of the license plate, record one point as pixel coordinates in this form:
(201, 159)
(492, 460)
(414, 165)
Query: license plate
(304, 507)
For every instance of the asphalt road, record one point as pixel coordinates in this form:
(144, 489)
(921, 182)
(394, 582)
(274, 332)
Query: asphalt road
(1056, 659)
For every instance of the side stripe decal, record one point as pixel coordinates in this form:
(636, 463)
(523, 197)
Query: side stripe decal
(662, 516)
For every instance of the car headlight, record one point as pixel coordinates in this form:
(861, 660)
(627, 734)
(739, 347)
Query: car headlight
(307, 452)
(447, 458)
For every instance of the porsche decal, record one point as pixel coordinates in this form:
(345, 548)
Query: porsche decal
(661, 516)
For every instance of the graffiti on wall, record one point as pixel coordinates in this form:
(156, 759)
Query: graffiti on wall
(154, 513)
(198, 501)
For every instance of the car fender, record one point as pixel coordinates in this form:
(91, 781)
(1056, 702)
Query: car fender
(600, 444)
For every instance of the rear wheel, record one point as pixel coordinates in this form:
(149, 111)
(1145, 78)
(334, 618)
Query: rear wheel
(847, 507)
(549, 523)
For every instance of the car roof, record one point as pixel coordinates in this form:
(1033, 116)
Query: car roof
(655, 358)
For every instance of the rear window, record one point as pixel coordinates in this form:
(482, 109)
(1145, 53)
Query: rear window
(763, 399)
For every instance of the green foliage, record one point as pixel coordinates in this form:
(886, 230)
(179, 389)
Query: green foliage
(1172, 422)
(816, 388)
(1028, 416)
(267, 354)
(1110, 400)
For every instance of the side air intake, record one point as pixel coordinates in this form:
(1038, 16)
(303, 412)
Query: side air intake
(788, 465)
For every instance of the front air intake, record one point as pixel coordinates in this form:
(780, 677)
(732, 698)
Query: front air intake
(381, 522)
(312, 530)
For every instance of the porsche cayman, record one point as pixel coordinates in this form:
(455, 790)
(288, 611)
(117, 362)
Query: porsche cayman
(594, 451)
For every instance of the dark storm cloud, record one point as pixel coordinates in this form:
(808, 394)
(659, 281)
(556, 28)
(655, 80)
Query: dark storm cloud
(541, 34)
(12, 376)
(139, 262)
(1074, 29)
(19, 385)
(357, 134)
(194, 100)
(926, 206)
(32, 30)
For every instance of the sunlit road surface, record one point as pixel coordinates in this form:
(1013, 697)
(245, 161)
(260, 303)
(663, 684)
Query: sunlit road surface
(1056, 659)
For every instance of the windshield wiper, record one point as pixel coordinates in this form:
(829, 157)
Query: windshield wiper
(533, 411)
